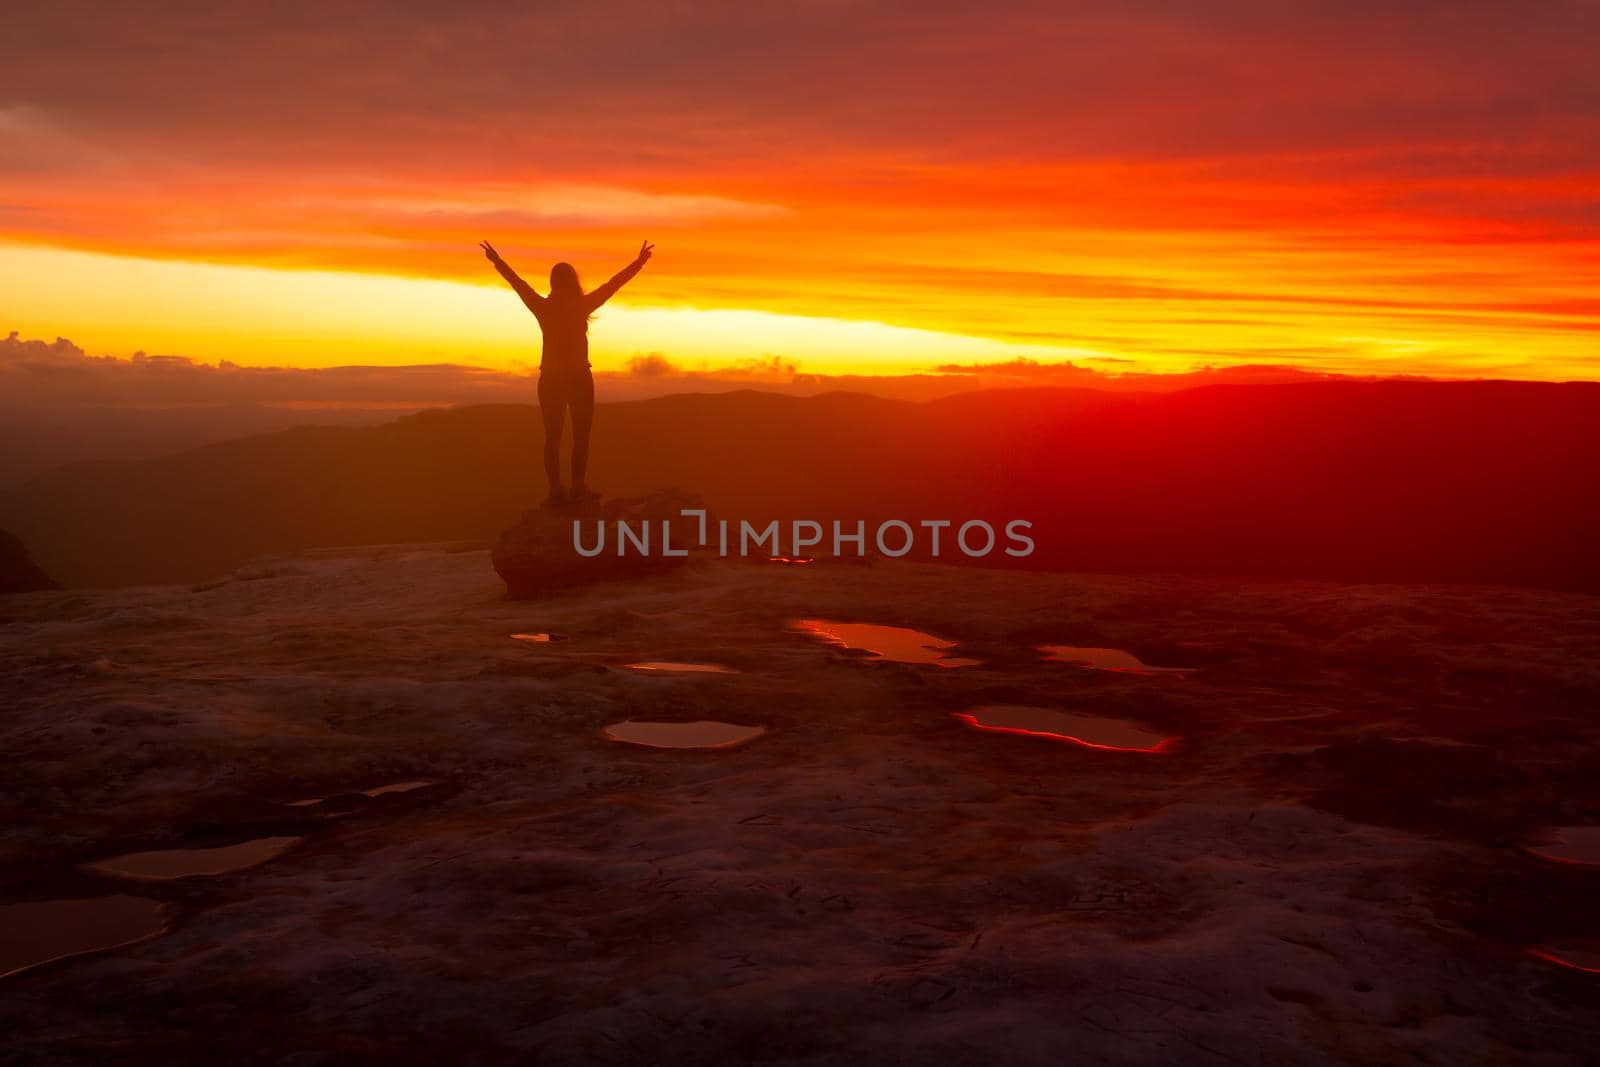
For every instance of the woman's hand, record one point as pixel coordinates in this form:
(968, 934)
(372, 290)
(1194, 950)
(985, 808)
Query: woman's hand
(644, 251)
(489, 252)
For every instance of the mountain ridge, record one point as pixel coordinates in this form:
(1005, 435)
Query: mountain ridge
(1393, 481)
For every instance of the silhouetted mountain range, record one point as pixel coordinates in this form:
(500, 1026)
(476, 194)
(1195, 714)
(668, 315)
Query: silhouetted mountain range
(1408, 481)
(37, 439)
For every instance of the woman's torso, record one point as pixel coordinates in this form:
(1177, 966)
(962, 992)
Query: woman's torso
(565, 325)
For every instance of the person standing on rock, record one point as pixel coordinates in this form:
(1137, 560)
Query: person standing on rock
(565, 380)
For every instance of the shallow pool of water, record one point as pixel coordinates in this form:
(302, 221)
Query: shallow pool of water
(662, 666)
(1583, 957)
(184, 862)
(1570, 844)
(896, 643)
(1091, 731)
(702, 734)
(376, 791)
(35, 933)
(397, 787)
(1104, 659)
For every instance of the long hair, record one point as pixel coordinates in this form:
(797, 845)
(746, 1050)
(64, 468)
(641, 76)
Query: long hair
(564, 282)
(565, 288)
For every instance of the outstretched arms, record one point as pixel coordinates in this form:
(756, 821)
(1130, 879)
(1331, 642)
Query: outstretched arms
(524, 290)
(623, 276)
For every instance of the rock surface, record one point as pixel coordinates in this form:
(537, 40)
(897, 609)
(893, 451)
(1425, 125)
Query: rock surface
(871, 881)
(536, 556)
(18, 572)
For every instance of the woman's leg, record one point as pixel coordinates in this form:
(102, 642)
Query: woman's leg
(581, 397)
(553, 411)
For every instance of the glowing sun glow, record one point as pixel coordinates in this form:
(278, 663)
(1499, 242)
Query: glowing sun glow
(1130, 188)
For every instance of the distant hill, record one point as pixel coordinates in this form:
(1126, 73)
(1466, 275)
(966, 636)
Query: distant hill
(36, 439)
(18, 572)
(1412, 481)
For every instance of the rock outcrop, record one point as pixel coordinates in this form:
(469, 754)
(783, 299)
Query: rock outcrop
(18, 572)
(537, 556)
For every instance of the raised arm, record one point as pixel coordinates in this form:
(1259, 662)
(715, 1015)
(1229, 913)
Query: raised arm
(524, 290)
(623, 276)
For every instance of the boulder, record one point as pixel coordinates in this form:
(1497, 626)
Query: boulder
(18, 572)
(536, 556)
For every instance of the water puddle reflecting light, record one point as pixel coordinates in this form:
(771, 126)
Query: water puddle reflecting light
(702, 734)
(1090, 731)
(376, 791)
(672, 667)
(1104, 659)
(185, 862)
(35, 933)
(1584, 958)
(1579, 845)
(397, 787)
(895, 643)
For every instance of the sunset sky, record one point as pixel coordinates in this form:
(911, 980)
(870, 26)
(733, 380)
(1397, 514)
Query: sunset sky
(853, 187)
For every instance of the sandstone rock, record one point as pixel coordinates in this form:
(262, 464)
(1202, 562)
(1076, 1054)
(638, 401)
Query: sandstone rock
(18, 572)
(536, 556)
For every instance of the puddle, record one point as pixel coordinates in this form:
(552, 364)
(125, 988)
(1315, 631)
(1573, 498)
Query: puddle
(702, 734)
(1570, 844)
(1302, 717)
(397, 787)
(1104, 659)
(1585, 958)
(534, 639)
(791, 559)
(671, 667)
(31, 934)
(184, 862)
(1091, 731)
(885, 642)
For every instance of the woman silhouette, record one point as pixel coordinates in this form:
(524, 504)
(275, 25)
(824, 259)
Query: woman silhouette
(565, 381)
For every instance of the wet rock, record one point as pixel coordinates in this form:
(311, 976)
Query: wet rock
(18, 572)
(537, 555)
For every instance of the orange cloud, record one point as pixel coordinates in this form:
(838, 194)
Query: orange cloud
(1354, 187)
